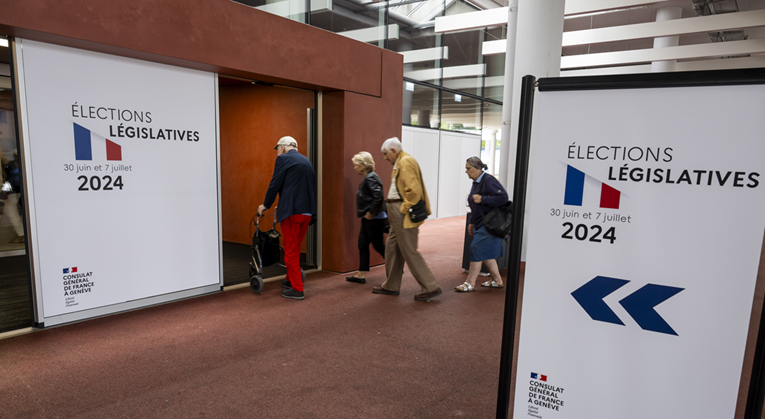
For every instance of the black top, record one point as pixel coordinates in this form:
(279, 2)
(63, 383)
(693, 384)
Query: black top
(295, 182)
(369, 197)
(492, 195)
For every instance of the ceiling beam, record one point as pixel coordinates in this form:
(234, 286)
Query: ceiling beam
(711, 23)
(498, 16)
(574, 7)
(295, 7)
(472, 70)
(472, 20)
(427, 54)
(700, 65)
(494, 47)
(717, 49)
(371, 34)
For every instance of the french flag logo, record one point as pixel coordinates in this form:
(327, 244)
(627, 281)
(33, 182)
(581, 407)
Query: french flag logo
(581, 187)
(83, 145)
(70, 270)
(539, 377)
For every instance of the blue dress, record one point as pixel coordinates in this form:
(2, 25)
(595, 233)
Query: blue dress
(485, 246)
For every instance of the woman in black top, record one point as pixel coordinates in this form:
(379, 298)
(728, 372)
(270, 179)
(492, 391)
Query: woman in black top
(485, 194)
(370, 208)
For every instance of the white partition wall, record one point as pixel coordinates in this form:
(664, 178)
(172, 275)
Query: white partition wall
(407, 138)
(449, 197)
(454, 184)
(442, 156)
(423, 145)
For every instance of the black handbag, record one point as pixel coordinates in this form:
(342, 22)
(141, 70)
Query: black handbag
(498, 221)
(419, 211)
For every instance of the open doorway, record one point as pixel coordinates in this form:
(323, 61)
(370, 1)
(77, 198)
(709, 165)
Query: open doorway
(253, 116)
(15, 288)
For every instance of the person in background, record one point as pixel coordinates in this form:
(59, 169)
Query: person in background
(485, 194)
(295, 182)
(11, 193)
(406, 189)
(369, 207)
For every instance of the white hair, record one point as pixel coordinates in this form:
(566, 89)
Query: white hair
(391, 144)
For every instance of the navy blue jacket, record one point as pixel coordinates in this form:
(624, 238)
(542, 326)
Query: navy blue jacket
(492, 195)
(295, 182)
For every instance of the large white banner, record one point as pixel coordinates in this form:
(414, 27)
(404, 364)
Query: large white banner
(646, 222)
(123, 160)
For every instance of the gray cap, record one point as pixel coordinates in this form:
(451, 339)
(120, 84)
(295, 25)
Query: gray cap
(285, 141)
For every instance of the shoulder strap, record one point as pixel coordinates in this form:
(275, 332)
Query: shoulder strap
(422, 181)
(480, 184)
(480, 188)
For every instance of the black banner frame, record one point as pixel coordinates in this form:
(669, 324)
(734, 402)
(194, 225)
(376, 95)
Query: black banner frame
(756, 394)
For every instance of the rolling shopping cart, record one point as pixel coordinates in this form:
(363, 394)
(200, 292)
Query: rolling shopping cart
(266, 251)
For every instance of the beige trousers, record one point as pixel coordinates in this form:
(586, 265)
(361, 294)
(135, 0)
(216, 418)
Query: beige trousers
(401, 248)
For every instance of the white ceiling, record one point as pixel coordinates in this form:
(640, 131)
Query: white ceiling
(646, 14)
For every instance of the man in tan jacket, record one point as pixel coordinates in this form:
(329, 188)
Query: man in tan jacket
(407, 188)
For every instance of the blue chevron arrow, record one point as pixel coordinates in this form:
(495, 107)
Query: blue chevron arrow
(590, 297)
(640, 306)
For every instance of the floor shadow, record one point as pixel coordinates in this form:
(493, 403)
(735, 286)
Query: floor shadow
(236, 264)
(15, 301)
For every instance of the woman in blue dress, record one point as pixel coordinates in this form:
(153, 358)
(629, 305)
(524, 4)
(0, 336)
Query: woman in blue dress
(485, 194)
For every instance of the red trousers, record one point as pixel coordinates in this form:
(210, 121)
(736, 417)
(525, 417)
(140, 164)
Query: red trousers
(294, 229)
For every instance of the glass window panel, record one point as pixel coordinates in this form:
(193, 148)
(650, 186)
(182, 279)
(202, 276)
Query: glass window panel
(365, 23)
(291, 9)
(491, 136)
(420, 107)
(423, 52)
(420, 12)
(460, 7)
(422, 48)
(460, 113)
(495, 66)
(465, 68)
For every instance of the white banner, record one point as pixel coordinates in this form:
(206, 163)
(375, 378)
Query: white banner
(645, 229)
(124, 176)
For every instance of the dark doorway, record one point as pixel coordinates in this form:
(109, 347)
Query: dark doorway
(15, 289)
(253, 116)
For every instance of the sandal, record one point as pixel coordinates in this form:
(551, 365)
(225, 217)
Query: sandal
(464, 287)
(492, 284)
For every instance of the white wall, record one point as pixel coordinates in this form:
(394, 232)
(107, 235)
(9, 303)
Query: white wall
(421, 143)
(442, 156)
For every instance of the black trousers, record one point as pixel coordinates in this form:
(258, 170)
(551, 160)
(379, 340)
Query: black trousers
(371, 232)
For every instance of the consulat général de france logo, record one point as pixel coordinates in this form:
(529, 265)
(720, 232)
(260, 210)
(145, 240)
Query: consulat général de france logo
(544, 397)
(75, 283)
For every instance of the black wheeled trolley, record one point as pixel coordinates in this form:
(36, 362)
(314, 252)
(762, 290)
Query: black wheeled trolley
(265, 252)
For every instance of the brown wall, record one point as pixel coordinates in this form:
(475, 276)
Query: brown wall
(219, 36)
(366, 123)
(362, 85)
(252, 119)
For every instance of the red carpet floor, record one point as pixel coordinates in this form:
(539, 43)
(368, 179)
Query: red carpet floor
(343, 352)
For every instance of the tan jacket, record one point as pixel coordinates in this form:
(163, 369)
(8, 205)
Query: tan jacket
(410, 186)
